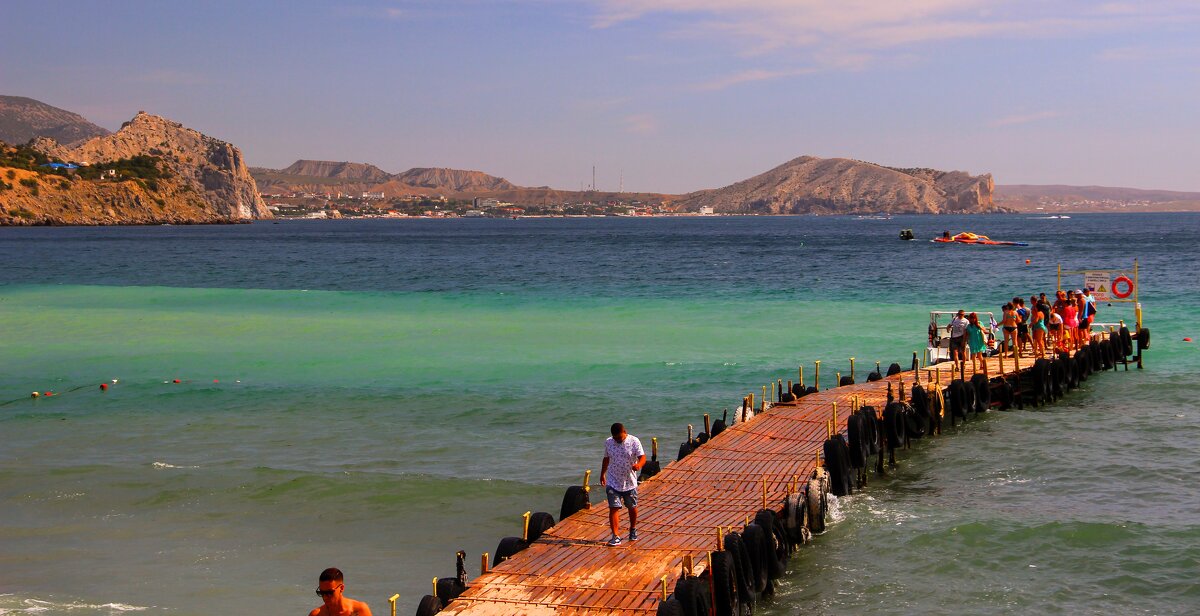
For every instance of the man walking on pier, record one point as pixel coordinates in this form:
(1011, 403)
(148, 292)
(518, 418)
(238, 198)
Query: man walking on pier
(623, 457)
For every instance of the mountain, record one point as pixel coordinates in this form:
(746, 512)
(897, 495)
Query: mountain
(345, 177)
(811, 185)
(341, 170)
(22, 119)
(1063, 198)
(454, 180)
(150, 171)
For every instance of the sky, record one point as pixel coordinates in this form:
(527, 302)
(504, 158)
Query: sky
(658, 95)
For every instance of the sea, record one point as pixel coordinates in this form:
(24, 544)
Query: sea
(377, 394)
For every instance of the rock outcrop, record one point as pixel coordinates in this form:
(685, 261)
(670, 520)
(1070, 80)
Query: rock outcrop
(810, 185)
(204, 180)
(22, 119)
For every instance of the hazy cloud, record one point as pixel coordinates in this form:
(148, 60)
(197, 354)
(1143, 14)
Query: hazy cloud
(855, 27)
(640, 124)
(1025, 118)
(749, 76)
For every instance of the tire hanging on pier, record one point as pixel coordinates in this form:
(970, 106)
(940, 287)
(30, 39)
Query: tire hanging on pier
(894, 369)
(983, 393)
(744, 580)
(508, 547)
(724, 574)
(720, 424)
(692, 592)
(846, 380)
(957, 400)
(429, 606)
(539, 523)
(755, 538)
(837, 463)
(576, 499)
(778, 546)
(670, 607)
(817, 503)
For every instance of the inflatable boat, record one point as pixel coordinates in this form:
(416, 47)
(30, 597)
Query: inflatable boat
(966, 237)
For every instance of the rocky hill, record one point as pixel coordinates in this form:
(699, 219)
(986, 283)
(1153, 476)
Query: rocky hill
(1058, 198)
(152, 170)
(810, 185)
(345, 171)
(345, 177)
(454, 180)
(22, 119)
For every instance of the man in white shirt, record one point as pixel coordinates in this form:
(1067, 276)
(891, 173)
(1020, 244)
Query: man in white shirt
(623, 456)
(958, 339)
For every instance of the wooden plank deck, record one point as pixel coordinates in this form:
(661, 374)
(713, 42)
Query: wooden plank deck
(570, 569)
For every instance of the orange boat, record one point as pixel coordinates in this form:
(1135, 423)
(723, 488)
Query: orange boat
(966, 237)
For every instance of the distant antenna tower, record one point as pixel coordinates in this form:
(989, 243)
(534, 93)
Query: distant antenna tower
(593, 178)
(622, 189)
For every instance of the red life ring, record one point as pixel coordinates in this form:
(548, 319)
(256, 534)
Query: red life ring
(1128, 290)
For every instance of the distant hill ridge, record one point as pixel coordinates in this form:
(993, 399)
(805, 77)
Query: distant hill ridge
(363, 176)
(812, 185)
(22, 119)
(343, 170)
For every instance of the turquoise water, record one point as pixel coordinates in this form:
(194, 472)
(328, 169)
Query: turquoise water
(376, 395)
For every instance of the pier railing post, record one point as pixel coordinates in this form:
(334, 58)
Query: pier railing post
(392, 600)
(817, 374)
(852, 368)
(483, 563)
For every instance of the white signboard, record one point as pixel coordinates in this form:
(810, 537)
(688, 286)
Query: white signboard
(1100, 283)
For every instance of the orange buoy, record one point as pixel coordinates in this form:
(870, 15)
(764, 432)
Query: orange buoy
(1187, 339)
(104, 387)
(34, 394)
(1026, 261)
(48, 394)
(175, 381)
(216, 381)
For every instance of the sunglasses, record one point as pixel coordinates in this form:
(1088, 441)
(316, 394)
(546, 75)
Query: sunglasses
(328, 593)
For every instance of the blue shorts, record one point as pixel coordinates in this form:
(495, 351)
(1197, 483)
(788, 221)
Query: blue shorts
(616, 497)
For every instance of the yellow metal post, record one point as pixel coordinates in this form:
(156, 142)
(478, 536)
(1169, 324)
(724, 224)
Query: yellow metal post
(817, 374)
(434, 593)
(587, 478)
(835, 421)
(720, 539)
(837, 379)
(483, 563)
(392, 600)
(801, 377)
(525, 533)
(664, 588)
(764, 492)
(852, 367)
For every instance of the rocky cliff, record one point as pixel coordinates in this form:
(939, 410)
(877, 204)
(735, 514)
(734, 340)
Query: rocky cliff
(199, 179)
(810, 185)
(22, 119)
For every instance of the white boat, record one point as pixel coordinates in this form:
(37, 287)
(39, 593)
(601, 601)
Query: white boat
(937, 348)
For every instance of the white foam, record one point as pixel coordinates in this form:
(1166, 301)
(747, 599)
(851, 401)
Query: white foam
(834, 510)
(10, 604)
(165, 465)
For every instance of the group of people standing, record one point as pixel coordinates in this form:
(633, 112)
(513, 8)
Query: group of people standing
(1043, 327)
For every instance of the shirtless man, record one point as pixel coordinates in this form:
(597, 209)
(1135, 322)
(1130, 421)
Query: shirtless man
(330, 588)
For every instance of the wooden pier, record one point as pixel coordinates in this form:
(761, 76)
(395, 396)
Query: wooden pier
(747, 467)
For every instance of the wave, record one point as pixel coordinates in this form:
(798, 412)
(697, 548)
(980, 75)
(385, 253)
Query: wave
(12, 604)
